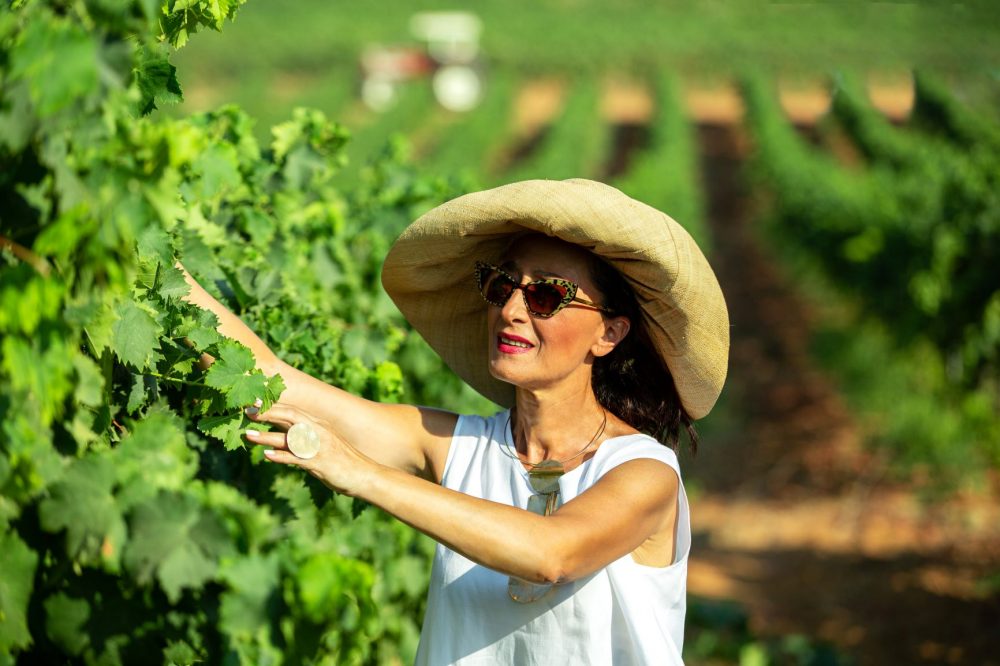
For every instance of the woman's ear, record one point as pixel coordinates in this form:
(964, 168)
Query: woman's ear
(615, 330)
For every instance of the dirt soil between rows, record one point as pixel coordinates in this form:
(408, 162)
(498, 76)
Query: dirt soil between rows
(794, 518)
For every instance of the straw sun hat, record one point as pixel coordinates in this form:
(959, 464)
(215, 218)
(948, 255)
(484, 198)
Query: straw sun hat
(428, 272)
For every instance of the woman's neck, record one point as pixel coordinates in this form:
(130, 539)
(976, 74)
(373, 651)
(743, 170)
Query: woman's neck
(556, 424)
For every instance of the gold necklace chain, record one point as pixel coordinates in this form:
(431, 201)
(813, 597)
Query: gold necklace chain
(513, 455)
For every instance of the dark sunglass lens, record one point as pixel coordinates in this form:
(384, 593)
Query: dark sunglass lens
(497, 288)
(544, 298)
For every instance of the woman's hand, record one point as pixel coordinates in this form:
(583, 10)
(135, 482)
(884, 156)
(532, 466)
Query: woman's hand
(337, 464)
(412, 439)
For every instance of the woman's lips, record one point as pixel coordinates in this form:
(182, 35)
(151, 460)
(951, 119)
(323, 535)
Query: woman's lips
(513, 344)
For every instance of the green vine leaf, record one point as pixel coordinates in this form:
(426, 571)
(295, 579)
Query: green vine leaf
(64, 622)
(227, 427)
(176, 542)
(135, 335)
(234, 373)
(83, 504)
(157, 81)
(15, 590)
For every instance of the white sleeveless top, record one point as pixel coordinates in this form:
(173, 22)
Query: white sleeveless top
(626, 613)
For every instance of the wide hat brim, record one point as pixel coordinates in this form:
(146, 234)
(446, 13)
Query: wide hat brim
(428, 273)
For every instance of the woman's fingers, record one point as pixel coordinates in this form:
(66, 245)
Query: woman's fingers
(275, 439)
(279, 415)
(283, 457)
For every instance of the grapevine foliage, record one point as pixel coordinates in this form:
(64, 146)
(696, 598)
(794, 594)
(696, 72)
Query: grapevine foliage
(132, 522)
(914, 235)
(911, 236)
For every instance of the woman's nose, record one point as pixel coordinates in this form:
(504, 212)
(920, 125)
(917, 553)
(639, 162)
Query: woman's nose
(515, 310)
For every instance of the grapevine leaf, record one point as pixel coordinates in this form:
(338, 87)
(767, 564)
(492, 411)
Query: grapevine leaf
(44, 374)
(183, 367)
(59, 60)
(179, 653)
(275, 386)
(27, 300)
(407, 574)
(218, 167)
(293, 490)
(135, 335)
(89, 382)
(16, 121)
(171, 283)
(227, 427)
(81, 428)
(197, 257)
(253, 583)
(185, 566)
(153, 245)
(175, 541)
(256, 523)
(324, 580)
(156, 79)
(358, 506)
(64, 620)
(388, 382)
(82, 503)
(137, 394)
(235, 284)
(363, 345)
(101, 322)
(234, 373)
(201, 329)
(154, 456)
(19, 563)
(34, 462)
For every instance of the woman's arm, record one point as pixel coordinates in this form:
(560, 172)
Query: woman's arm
(605, 522)
(614, 517)
(412, 439)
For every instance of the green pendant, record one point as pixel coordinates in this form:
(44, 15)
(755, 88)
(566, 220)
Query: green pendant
(544, 476)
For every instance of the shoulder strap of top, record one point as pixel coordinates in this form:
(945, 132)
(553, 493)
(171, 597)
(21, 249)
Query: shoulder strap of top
(472, 433)
(633, 447)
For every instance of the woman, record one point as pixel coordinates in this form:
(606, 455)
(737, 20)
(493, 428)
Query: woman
(619, 332)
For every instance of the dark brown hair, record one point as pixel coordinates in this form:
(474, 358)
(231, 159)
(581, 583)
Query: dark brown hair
(632, 382)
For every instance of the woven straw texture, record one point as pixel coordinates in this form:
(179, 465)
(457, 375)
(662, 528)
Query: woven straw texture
(428, 272)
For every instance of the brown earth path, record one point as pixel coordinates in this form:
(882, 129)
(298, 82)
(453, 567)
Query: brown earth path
(794, 519)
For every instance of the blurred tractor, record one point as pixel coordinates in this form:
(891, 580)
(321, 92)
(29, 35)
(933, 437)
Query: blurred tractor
(450, 56)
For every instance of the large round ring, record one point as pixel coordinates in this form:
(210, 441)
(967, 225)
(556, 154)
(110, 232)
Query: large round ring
(302, 440)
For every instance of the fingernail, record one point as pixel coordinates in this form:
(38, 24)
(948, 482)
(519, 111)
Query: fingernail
(268, 452)
(253, 433)
(251, 411)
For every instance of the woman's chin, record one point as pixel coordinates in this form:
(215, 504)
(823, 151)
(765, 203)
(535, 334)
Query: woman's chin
(506, 370)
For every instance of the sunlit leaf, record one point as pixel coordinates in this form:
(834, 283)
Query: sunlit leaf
(135, 335)
(234, 373)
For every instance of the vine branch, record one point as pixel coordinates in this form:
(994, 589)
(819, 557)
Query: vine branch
(24, 254)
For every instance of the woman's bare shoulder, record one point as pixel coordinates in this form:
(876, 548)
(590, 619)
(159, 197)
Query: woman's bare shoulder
(436, 428)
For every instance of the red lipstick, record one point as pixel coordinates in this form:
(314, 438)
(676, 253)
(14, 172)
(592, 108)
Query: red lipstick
(509, 343)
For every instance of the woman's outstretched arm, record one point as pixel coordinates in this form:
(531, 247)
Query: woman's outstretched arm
(412, 439)
(614, 517)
